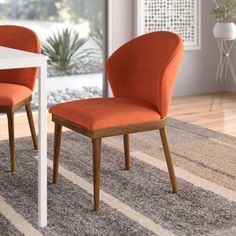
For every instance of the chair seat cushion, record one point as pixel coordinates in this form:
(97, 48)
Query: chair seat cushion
(11, 94)
(100, 113)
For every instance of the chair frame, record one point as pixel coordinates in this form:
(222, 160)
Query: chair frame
(10, 111)
(96, 137)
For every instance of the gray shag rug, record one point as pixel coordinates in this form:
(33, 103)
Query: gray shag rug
(136, 202)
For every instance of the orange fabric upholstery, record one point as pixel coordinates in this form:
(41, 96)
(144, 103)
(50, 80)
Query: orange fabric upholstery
(142, 75)
(11, 94)
(145, 68)
(23, 39)
(100, 113)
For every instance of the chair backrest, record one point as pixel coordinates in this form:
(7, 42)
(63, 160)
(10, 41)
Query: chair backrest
(146, 67)
(21, 38)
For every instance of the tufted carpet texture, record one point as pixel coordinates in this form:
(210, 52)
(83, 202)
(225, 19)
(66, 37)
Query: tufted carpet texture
(136, 202)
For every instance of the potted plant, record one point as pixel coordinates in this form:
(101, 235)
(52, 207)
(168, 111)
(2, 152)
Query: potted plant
(224, 12)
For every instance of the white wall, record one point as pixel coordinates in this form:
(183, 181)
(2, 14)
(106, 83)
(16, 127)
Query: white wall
(197, 74)
(231, 84)
(121, 23)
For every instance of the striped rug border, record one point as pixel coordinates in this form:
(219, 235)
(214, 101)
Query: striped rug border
(187, 176)
(26, 228)
(20, 223)
(114, 203)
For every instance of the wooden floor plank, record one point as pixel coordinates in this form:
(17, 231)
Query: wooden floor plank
(195, 109)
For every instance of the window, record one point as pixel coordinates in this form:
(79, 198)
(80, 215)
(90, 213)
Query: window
(71, 35)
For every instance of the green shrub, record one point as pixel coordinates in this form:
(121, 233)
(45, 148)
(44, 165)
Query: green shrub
(63, 49)
(97, 37)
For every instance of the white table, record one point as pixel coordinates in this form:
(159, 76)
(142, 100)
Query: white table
(12, 59)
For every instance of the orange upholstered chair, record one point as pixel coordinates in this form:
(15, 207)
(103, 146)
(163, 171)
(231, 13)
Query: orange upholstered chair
(142, 74)
(16, 86)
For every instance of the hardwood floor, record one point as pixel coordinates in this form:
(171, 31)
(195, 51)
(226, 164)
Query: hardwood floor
(193, 109)
(22, 128)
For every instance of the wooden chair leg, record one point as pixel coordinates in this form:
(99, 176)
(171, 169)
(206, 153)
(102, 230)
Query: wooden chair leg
(126, 138)
(168, 159)
(10, 118)
(57, 144)
(96, 171)
(31, 124)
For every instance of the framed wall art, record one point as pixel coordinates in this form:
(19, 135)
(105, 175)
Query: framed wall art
(180, 16)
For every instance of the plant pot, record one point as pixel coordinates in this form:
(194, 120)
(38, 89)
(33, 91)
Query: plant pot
(226, 31)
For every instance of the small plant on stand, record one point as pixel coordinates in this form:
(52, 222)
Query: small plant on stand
(224, 12)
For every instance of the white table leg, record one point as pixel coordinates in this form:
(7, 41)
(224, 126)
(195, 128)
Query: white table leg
(42, 162)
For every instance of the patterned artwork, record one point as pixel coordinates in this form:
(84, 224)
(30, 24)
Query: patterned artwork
(179, 16)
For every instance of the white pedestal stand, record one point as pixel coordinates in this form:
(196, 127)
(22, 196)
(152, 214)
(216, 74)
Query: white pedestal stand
(224, 68)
